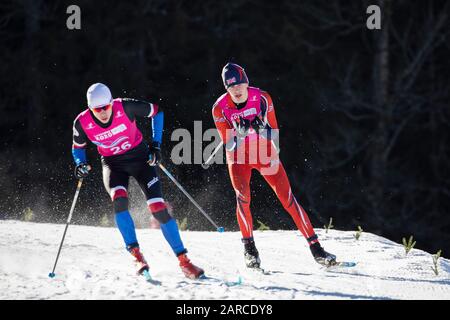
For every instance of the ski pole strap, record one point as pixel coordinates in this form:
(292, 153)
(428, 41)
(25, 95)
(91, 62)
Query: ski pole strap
(220, 229)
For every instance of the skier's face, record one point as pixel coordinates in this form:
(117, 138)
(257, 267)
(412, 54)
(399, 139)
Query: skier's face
(239, 92)
(103, 114)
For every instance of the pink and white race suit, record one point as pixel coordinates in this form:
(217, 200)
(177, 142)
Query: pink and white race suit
(121, 136)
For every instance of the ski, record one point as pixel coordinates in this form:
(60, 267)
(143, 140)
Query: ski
(227, 283)
(261, 270)
(149, 279)
(342, 264)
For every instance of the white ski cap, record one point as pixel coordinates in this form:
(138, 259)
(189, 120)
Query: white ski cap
(98, 95)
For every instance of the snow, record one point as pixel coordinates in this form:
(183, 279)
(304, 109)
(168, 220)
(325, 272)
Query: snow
(94, 265)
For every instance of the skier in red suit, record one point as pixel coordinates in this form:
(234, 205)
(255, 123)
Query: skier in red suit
(246, 121)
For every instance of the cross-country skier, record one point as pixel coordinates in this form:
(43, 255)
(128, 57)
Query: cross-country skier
(245, 119)
(111, 125)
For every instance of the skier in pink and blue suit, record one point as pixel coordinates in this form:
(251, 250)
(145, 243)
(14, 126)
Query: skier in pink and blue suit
(110, 124)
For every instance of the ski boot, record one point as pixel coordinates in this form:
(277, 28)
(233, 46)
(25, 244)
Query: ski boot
(139, 260)
(190, 270)
(251, 254)
(321, 256)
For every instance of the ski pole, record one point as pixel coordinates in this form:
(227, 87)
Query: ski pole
(220, 229)
(206, 164)
(52, 274)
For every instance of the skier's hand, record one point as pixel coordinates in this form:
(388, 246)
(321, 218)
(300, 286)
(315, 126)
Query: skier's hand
(242, 128)
(154, 156)
(82, 170)
(257, 124)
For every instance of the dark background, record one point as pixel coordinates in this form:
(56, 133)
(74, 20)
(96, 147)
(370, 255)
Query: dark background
(364, 114)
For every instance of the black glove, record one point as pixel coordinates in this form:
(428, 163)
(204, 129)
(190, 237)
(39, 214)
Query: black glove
(154, 156)
(82, 170)
(242, 128)
(257, 124)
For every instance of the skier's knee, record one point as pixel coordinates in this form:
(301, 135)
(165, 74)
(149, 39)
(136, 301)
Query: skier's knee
(162, 216)
(118, 192)
(120, 204)
(156, 205)
(119, 198)
(242, 198)
(286, 199)
(285, 203)
(159, 210)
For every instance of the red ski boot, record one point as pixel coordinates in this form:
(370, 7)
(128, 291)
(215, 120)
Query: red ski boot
(141, 264)
(190, 270)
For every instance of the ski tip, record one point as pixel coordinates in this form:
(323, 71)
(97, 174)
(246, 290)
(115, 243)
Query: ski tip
(220, 229)
(147, 275)
(51, 275)
(349, 264)
(345, 264)
(233, 283)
